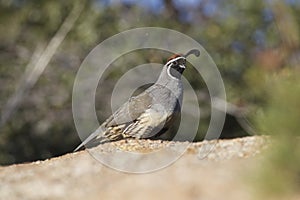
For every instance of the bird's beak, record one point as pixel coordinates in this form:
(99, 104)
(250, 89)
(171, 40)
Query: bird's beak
(182, 66)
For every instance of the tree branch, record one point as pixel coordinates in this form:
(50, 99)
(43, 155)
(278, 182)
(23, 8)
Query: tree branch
(38, 62)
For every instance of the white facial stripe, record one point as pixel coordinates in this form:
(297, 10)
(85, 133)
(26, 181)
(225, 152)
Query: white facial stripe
(175, 59)
(169, 64)
(169, 73)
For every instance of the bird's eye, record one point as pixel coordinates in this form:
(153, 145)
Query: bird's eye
(175, 62)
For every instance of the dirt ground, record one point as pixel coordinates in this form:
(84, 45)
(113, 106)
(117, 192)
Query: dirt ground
(175, 170)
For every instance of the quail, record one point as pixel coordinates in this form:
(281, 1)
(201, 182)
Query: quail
(150, 113)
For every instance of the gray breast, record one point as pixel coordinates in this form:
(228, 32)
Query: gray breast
(168, 96)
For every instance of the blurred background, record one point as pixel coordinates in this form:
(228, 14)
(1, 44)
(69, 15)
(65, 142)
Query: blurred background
(255, 45)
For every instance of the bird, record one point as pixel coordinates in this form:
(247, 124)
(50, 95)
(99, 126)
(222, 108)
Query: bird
(149, 114)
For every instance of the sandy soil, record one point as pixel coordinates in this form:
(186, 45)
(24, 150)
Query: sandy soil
(205, 170)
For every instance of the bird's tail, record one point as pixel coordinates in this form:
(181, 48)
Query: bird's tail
(91, 138)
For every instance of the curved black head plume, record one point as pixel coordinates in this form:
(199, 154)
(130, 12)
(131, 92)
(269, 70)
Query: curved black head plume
(196, 52)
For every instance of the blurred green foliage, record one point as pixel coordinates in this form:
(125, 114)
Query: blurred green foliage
(278, 176)
(248, 40)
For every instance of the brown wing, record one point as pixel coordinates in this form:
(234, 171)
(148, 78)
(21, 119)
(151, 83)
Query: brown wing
(130, 111)
(113, 128)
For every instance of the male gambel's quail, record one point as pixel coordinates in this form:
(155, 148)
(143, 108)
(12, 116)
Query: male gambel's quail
(150, 113)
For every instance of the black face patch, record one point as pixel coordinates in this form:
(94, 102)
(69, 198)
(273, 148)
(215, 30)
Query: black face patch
(178, 69)
(176, 66)
(175, 73)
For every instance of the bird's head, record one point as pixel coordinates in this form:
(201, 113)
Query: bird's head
(176, 63)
